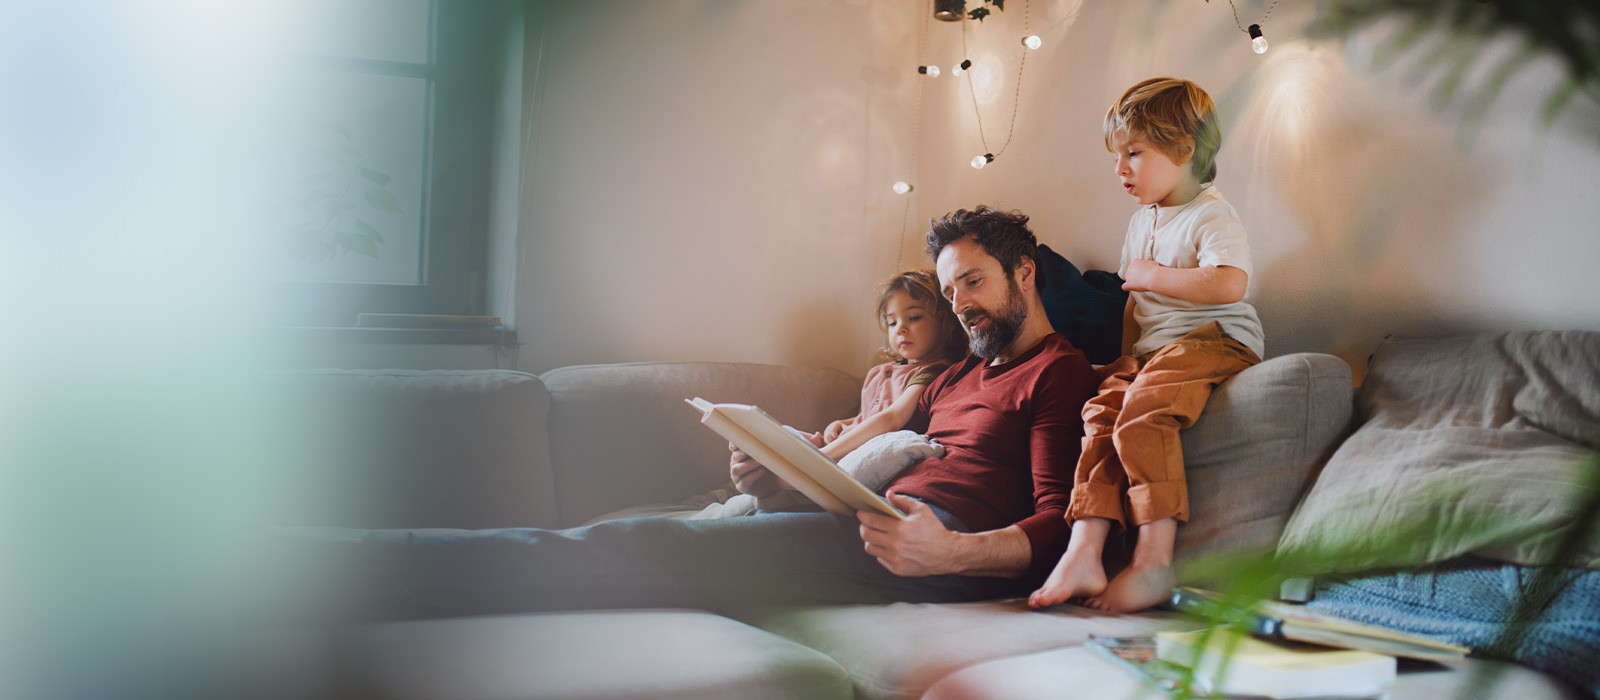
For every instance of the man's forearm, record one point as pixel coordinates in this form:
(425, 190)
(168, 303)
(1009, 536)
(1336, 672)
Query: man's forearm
(1005, 553)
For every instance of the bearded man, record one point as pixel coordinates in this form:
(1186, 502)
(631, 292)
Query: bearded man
(985, 520)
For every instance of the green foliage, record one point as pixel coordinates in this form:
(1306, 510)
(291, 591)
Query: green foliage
(1244, 579)
(1568, 30)
(982, 11)
(324, 208)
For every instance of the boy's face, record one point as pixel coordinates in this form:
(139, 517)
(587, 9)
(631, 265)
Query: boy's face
(1150, 175)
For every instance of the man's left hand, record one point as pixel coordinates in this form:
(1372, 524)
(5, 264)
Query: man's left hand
(920, 545)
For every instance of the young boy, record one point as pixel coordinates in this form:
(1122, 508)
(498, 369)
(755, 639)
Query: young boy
(1187, 265)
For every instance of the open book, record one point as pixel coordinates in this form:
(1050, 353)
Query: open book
(1293, 622)
(793, 458)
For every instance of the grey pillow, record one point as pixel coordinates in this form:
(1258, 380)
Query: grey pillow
(1467, 446)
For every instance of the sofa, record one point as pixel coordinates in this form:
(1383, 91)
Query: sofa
(492, 448)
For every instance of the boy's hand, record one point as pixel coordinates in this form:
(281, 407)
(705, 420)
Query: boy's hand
(1141, 275)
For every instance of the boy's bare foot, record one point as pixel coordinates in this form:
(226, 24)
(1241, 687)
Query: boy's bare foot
(1073, 577)
(1079, 573)
(1149, 579)
(1135, 589)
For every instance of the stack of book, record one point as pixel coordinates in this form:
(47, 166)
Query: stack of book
(1273, 650)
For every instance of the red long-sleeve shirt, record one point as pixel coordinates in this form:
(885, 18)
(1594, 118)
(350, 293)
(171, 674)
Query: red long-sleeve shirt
(1012, 434)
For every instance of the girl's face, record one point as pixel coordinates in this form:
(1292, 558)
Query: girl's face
(913, 328)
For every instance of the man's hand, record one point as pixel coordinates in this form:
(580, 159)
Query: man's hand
(920, 545)
(750, 477)
(1141, 275)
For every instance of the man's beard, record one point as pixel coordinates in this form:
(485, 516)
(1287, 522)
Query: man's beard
(1005, 324)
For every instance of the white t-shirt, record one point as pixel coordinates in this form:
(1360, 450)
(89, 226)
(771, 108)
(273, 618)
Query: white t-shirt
(1205, 232)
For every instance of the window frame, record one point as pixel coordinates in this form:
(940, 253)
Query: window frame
(457, 135)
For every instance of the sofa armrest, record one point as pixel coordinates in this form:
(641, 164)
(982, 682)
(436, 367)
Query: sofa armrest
(621, 434)
(1255, 449)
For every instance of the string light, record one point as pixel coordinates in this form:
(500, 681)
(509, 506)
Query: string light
(1033, 41)
(965, 65)
(1258, 43)
(901, 187)
(979, 161)
(930, 71)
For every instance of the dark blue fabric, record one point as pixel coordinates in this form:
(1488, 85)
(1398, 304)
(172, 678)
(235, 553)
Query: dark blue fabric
(1471, 602)
(1085, 308)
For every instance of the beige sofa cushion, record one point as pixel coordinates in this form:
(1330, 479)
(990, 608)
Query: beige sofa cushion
(899, 650)
(624, 435)
(602, 655)
(1253, 452)
(1475, 445)
(402, 449)
(1080, 674)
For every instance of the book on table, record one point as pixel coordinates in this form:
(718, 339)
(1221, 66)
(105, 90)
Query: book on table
(791, 457)
(1283, 621)
(1231, 663)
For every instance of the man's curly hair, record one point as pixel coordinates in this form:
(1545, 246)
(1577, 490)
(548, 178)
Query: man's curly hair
(1004, 235)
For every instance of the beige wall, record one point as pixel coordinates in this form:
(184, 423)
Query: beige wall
(712, 179)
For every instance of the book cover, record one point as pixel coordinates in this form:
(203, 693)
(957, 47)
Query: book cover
(793, 458)
(1231, 662)
(1283, 621)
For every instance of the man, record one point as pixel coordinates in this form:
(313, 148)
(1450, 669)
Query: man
(985, 520)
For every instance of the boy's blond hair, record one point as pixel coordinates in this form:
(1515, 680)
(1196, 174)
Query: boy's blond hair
(1173, 116)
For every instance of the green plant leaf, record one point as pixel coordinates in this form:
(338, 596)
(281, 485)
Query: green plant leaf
(1001, 4)
(332, 207)
(1463, 52)
(379, 178)
(363, 245)
(1558, 102)
(385, 200)
(369, 230)
(1478, 108)
(1403, 40)
(978, 13)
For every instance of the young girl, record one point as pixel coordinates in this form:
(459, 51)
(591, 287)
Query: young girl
(924, 338)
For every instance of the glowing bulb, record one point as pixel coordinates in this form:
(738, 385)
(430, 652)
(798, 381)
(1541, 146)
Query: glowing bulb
(901, 187)
(979, 161)
(1258, 43)
(966, 64)
(1033, 41)
(956, 70)
(930, 71)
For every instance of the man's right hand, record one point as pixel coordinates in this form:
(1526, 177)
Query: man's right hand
(750, 477)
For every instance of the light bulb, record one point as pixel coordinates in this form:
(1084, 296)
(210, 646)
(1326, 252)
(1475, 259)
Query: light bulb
(930, 71)
(955, 70)
(1258, 43)
(1033, 41)
(901, 187)
(979, 161)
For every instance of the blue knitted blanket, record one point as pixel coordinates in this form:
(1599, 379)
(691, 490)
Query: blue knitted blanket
(1472, 603)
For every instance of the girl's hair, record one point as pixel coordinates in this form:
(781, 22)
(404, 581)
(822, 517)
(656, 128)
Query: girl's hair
(1175, 117)
(923, 287)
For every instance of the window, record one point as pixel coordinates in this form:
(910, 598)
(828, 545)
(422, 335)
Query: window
(384, 204)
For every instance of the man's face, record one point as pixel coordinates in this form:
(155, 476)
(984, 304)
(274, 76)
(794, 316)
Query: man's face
(986, 299)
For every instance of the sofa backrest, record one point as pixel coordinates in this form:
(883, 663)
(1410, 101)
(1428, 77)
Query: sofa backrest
(1255, 450)
(408, 449)
(621, 434)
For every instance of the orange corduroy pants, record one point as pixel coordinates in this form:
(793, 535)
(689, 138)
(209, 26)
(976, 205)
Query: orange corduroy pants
(1131, 468)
